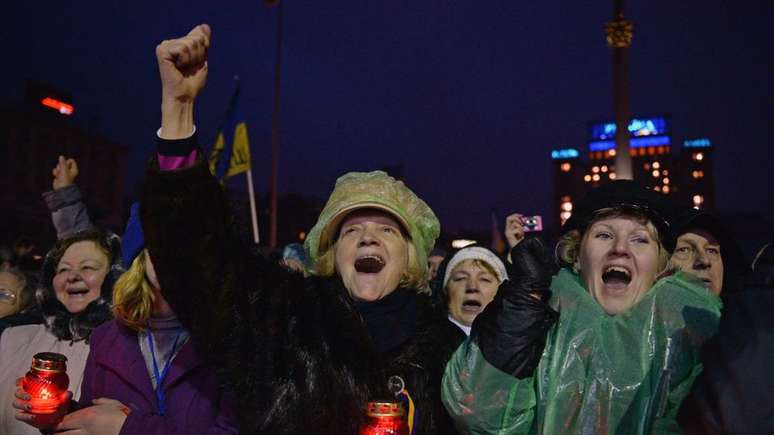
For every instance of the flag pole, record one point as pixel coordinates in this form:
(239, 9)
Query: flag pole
(256, 237)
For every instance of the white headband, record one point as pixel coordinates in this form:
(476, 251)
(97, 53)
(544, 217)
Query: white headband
(476, 253)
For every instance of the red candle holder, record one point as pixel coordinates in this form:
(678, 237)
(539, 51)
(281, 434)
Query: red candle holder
(385, 418)
(46, 383)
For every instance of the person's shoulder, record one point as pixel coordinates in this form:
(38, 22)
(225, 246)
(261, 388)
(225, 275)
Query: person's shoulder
(682, 289)
(105, 332)
(16, 338)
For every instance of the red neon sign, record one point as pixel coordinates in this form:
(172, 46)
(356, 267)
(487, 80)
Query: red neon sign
(61, 107)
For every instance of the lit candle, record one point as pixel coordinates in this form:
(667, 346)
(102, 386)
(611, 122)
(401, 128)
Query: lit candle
(46, 382)
(385, 418)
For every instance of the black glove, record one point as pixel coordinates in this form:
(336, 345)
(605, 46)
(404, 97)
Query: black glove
(531, 267)
(511, 331)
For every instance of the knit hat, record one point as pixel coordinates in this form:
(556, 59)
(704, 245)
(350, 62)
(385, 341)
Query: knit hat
(476, 253)
(358, 190)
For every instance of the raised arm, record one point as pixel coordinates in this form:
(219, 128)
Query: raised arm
(68, 211)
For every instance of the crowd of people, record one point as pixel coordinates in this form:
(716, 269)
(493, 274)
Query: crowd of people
(645, 318)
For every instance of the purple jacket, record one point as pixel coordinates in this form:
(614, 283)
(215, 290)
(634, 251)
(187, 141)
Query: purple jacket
(115, 369)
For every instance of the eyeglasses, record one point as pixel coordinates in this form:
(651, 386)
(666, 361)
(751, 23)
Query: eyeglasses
(7, 297)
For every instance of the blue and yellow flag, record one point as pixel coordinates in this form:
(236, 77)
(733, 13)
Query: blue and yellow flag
(231, 153)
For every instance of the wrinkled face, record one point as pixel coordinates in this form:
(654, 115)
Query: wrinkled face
(698, 253)
(10, 294)
(433, 263)
(79, 275)
(471, 288)
(618, 262)
(371, 254)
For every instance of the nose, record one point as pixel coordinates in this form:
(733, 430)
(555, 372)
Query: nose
(73, 275)
(368, 238)
(471, 286)
(620, 248)
(701, 261)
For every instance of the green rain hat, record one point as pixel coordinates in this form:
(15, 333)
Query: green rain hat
(357, 190)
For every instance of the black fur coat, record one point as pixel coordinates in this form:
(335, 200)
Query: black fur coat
(295, 350)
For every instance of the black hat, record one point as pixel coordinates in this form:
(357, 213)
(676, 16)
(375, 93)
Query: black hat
(625, 195)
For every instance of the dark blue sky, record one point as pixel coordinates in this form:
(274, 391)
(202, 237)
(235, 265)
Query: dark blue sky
(469, 97)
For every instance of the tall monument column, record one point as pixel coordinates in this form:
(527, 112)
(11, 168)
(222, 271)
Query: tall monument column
(619, 34)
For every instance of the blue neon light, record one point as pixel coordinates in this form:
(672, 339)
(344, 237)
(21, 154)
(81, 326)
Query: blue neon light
(637, 142)
(697, 143)
(638, 127)
(569, 153)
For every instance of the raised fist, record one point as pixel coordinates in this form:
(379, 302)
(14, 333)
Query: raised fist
(183, 65)
(65, 172)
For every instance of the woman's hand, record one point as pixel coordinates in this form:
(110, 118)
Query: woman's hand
(65, 172)
(183, 72)
(40, 421)
(106, 417)
(514, 229)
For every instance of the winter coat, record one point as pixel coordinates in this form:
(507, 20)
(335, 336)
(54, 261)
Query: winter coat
(735, 392)
(598, 374)
(116, 369)
(297, 351)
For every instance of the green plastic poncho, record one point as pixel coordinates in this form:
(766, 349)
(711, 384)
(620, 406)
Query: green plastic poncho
(599, 374)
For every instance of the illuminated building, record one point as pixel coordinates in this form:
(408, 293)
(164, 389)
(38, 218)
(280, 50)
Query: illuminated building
(679, 174)
(33, 134)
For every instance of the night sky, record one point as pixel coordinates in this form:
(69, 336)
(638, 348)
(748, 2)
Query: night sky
(468, 97)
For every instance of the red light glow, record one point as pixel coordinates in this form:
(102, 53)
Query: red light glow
(60, 106)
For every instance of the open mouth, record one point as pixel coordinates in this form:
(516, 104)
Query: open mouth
(77, 291)
(616, 277)
(471, 305)
(369, 264)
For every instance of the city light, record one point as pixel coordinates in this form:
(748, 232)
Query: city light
(656, 173)
(666, 180)
(656, 165)
(603, 168)
(565, 167)
(697, 143)
(665, 190)
(302, 236)
(595, 169)
(569, 153)
(60, 106)
(612, 175)
(595, 177)
(587, 178)
(698, 200)
(563, 216)
(697, 174)
(698, 156)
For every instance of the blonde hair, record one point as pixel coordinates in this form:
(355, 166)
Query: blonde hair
(569, 245)
(133, 296)
(413, 277)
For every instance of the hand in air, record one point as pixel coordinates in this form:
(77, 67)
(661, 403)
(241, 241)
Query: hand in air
(65, 172)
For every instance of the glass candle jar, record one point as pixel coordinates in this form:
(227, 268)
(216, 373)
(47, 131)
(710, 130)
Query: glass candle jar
(46, 382)
(385, 418)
